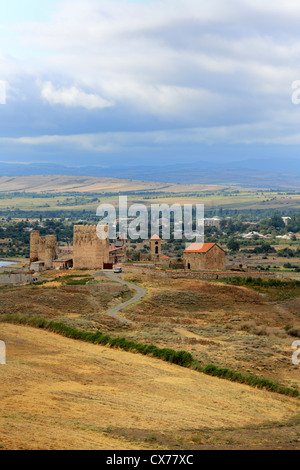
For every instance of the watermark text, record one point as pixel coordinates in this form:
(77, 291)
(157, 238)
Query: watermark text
(2, 92)
(296, 355)
(140, 222)
(2, 353)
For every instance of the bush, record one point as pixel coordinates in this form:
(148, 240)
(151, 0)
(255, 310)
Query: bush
(294, 332)
(260, 282)
(249, 380)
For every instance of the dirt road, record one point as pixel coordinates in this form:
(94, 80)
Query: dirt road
(140, 293)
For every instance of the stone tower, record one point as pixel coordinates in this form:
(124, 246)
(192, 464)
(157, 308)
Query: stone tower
(89, 251)
(155, 248)
(34, 246)
(43, 248)
(50, 250)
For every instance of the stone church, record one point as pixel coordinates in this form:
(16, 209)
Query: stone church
(204, 257)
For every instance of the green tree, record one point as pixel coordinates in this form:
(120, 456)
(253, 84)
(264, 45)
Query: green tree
(233, 245)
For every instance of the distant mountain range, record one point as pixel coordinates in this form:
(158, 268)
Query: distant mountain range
(249, 173)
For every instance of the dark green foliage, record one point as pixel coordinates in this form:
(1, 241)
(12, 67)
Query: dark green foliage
(182, 358)
(233, 245)
(249, 380)
(260, 282)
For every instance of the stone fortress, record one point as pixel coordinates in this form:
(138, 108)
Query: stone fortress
(88, 251)
(92, 252)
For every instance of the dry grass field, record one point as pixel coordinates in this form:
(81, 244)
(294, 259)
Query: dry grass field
(230, 326)
(83, 304)
(57, 393)
(84, 184)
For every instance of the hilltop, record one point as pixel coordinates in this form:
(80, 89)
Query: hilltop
(84, 184)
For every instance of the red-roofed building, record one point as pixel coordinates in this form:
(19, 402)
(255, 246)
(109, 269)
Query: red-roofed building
(204, 257)
(117, 252)
(155, 237)
(165, 261)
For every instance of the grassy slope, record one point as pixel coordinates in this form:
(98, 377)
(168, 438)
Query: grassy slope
(59, 393)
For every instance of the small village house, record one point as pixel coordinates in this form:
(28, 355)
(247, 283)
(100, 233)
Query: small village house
(204, 257)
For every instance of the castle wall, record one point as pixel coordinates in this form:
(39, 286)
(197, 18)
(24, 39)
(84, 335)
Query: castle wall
(201, 275)
(15, 278)
(89, 251)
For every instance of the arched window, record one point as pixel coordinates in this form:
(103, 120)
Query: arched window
(189, 265)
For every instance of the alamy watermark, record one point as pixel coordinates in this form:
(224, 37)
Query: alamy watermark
(2, 353)
(137, 222)
(2, 92)
(296, 355)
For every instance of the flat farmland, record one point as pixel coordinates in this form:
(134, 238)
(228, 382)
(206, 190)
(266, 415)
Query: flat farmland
(89, 202)
(57, 184)
(66, 193)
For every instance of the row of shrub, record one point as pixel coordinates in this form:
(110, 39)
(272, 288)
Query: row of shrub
(260, 282)
(262, 330)
(181, 358)
(67, 280)
(249, 380)
(77, 282)
(265, 330)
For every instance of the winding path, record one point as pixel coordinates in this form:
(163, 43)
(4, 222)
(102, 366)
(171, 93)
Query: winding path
(140, 293)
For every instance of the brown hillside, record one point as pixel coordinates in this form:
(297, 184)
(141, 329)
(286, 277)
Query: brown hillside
(57, 393)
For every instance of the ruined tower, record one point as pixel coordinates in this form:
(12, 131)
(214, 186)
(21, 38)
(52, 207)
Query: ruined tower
(34, 246)
(155, 248)
(50, 250)
(43, 248)
(89, 251)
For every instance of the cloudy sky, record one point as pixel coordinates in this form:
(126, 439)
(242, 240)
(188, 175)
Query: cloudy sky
(107, 82)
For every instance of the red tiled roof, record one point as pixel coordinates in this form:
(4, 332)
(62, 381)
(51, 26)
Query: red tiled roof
(199, 247)
(115, 248)
(155, 237)
(65, 248)
(165, 257)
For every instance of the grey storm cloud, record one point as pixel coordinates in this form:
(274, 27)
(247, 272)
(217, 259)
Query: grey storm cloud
(188, 70)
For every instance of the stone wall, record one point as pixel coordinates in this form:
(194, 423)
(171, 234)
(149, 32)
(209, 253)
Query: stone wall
(200, 275)
(89, 251)
(15, 278)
